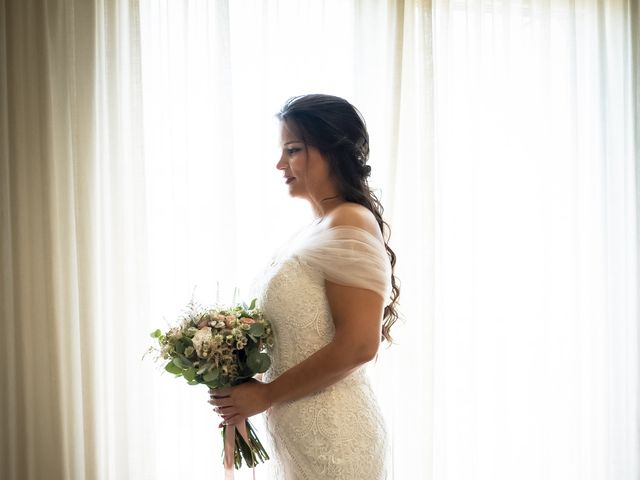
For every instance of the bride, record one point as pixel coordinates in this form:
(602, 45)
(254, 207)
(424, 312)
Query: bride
(330, 295)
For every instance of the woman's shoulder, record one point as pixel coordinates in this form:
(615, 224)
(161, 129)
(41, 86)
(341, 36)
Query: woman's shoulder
(355, 215)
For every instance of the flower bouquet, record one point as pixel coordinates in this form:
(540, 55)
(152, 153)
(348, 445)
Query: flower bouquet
(220, 347)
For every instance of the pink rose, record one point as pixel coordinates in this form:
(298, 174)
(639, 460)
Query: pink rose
(247, 320)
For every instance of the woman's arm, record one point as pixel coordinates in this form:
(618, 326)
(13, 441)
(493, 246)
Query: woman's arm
(357, 315)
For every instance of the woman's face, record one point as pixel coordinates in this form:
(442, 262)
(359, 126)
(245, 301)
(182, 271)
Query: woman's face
(305, 170)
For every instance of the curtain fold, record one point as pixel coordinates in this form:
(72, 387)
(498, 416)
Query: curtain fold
(73, 227)
(405, 379)
(634, 41)
(31, 445)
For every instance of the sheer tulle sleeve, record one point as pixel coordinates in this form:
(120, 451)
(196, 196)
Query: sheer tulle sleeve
(348, 256)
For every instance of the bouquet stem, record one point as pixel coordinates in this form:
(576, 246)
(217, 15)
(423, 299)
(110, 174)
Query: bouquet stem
(246, 446)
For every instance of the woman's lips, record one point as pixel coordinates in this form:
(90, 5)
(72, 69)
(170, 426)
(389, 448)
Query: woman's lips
(289, 180)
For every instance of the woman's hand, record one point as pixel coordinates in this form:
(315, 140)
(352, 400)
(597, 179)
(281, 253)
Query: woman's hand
(237, 403)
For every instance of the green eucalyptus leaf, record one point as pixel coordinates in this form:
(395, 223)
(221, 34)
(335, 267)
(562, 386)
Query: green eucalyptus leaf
(189, 374)
(173, 368)
(258, 362)
(265, 361)
(256, 329)
(156, 333)
(253, 304)
(182, 362)
(211, 376)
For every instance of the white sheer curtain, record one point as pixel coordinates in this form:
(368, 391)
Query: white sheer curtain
(214, 75)
(536, 331)
(504, 136)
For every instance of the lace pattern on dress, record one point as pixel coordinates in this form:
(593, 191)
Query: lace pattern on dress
(337, 433)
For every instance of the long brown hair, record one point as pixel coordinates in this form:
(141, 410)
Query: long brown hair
(338, 130)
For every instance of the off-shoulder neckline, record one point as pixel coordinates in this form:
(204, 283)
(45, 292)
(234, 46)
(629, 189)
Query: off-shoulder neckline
(353, 227)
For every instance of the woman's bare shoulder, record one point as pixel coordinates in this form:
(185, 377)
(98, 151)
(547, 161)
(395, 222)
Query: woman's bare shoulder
(354, 215)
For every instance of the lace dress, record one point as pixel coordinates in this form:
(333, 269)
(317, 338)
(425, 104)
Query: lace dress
(338, 432)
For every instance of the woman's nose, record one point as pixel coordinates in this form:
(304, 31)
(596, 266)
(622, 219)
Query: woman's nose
(282, 164)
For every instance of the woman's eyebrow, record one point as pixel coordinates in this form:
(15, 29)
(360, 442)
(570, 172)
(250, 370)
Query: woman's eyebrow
(293, 141)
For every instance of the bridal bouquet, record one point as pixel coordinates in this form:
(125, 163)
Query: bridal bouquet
(220, 347)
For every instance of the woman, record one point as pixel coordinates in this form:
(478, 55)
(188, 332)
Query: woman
(330, 297)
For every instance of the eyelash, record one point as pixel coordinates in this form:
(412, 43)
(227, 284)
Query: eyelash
(291, 151)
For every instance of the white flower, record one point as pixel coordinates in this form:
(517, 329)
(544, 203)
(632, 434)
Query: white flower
(202, 341)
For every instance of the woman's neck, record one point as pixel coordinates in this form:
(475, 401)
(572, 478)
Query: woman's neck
(323, 207)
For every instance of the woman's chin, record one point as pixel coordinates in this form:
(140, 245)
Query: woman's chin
(293, 192)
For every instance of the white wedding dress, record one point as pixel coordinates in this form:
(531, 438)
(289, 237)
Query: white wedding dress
(338, 432)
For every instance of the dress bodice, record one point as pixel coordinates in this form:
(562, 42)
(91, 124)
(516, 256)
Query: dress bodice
(338, 432)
